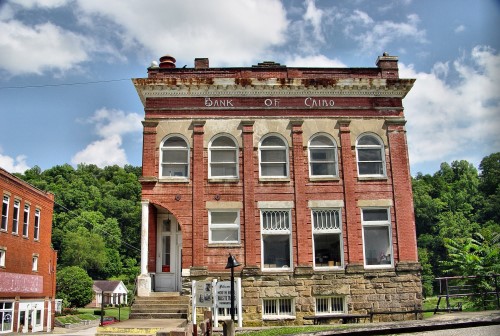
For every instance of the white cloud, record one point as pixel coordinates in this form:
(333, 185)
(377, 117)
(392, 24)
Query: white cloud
(111, 125)
(40, 3)
(313, 61)
(448, 122)
(13, 165)
(314, 16)
(460, 29)
(373, 35)
(25, 49)
(226, 31)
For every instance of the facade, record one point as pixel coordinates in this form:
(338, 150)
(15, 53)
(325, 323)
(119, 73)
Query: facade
(301, 173)
(27, 259)
(115, 293)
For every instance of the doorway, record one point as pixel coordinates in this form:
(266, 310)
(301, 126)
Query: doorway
(168, 254)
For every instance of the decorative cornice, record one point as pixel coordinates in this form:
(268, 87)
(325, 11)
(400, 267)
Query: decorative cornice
(226, 87)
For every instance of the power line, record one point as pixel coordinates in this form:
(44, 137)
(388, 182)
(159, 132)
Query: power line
(63, 84)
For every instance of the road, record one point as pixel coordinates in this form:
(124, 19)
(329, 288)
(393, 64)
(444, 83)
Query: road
(493, 330)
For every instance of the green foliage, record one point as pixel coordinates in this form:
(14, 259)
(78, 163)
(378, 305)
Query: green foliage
(457, 216)
(74, 285)
(97, 216)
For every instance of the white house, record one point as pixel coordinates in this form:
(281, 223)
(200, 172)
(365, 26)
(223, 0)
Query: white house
(114, 293)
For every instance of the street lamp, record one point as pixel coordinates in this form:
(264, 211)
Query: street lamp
(232, 263)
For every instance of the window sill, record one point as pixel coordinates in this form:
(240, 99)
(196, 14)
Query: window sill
(223, 179)
(278, 270)
(173, 180)
(274, 179)
(372, 178)
(323, 178)
(216, 245)
(329, 268)
(375, 267)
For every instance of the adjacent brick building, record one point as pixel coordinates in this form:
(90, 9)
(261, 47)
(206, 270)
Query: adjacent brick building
(301, 173)
(27, 260)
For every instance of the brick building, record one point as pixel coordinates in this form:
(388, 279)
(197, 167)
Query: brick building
(301, 173)
(27, 260)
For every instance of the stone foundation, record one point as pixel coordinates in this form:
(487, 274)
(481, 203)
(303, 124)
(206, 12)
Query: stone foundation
(381, 290)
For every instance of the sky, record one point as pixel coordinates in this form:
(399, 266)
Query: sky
(66, 94)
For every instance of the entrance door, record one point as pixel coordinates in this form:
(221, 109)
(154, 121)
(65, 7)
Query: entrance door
(168, 268)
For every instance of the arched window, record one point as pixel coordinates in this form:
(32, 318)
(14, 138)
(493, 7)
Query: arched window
(370, 155)
(273, 155)
(174, 157)
(223, 157)
(322, 156)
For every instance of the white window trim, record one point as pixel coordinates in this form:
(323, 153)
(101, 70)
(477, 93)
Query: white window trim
(26, 220)
(17, 206)
(335, 150)
(387, 224)
(287, 158)
(35, 263)
(381, 146)
(331, 231)
(278, 315)
(236, 150)
(223, 226)
(5, 216)
(36, 225)
(11, 311)
(188, 149)
(329, 298)
(3, 255)
(276, 232)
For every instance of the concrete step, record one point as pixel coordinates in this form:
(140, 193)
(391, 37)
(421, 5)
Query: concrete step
(151, 315)
(159, 310)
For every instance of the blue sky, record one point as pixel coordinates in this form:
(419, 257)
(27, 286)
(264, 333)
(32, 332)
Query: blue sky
(65, 67)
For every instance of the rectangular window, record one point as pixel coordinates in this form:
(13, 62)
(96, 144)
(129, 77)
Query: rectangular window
(36, 225)
(26, 220)
(225, 313)
(224, 226)
(35, 263)
(3, 252)
(330, 305)
(327, 232)
(282, 307)
(5, 212)
(15, 217)
(377, 245)
(6, 316)
(276, 238)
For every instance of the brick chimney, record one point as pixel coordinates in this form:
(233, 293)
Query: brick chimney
(388, 65)
(201, 63)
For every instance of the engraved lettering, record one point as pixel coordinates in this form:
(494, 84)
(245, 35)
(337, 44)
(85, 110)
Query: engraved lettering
(310, 102)
(218, 102)
(208, 102)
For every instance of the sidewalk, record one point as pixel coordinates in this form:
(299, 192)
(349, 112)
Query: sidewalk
(440, 321)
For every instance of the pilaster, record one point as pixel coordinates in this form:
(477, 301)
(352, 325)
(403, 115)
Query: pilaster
(149, 153)
(198, 174)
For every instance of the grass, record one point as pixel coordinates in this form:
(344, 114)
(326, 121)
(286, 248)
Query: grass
(88, 314)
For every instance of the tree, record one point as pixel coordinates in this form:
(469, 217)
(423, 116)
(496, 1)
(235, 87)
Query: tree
(74, 286)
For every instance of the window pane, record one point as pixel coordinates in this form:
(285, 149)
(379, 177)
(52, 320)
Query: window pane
(229, 235)
(275, 220)
(326, 220)
(276, 251)
(377, 247)
(327, 250)
(369, 154)
(175, 142)
(322, 154)
(174, 170)
(321, 141)
(223, 142)
(223, 156)
(368, 140)
(370, 168)
(320, 169)
(277, 155)
(223, 170)
(273, 141)
(274, 169)
(224, 217)
(175, 156)
(375, 215)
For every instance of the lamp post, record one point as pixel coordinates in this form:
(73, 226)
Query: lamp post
(232, 263)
